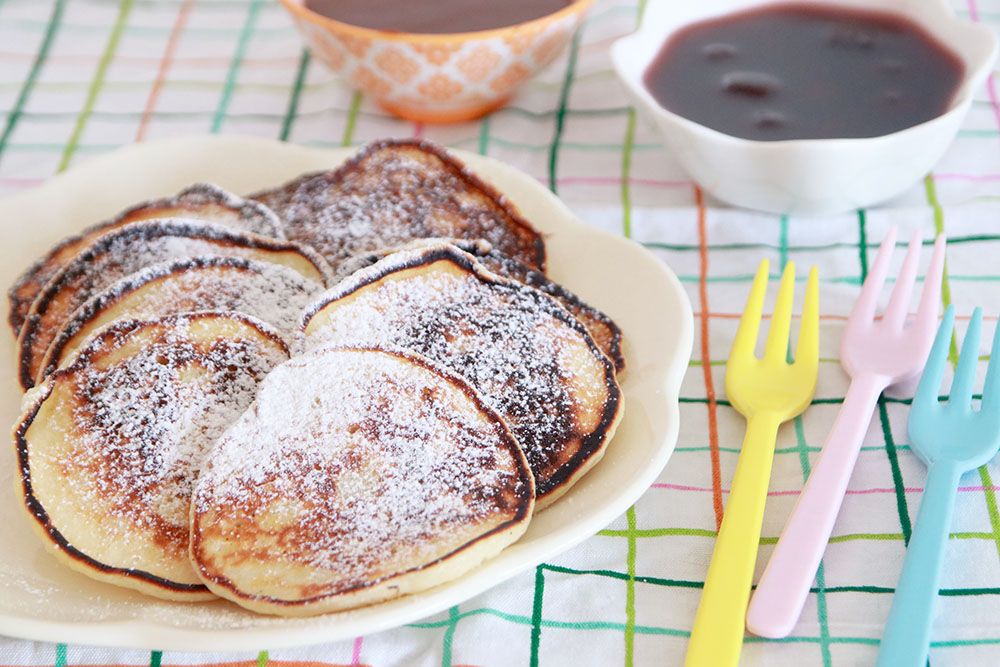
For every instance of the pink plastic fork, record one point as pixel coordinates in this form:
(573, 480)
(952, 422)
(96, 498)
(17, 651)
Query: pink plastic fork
(876, 354)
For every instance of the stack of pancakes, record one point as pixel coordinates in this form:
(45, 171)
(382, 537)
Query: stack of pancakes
(358, 385)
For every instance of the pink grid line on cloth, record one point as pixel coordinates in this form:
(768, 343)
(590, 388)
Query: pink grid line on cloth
(83, 77)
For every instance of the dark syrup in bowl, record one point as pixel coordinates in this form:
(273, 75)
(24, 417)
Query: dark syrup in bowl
(435, 16)
(798, 71)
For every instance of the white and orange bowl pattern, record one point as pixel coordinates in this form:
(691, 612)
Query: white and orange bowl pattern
(439, 78)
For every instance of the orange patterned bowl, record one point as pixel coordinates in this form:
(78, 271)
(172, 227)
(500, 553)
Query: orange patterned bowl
(441, 78)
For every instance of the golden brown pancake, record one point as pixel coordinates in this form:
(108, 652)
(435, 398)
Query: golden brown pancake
(201, 201)
(605, 332)
(110, 446)
(129, 249)
(530, 359)
(392, 192)
(271, 292)
(358, 475)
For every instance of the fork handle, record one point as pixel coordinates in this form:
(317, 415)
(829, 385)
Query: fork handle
(908, 629)
(717, 635)
(784, 586)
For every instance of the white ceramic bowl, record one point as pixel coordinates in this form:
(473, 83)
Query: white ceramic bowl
(805, 177)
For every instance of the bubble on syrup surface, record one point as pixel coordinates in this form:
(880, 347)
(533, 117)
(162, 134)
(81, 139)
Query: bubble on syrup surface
(750, 84)
(719, 51)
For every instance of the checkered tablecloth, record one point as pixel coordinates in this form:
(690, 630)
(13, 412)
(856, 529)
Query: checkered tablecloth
(84, 77)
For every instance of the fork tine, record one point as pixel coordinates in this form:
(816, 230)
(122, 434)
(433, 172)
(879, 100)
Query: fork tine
(746, 334)
(899, 300)
(931, 296)
(864, 309)
(781, 320)
(930, 382)
(965, 373)
(807, 349)
(991, 390)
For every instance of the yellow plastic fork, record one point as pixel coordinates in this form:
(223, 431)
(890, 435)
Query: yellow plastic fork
(767, 392)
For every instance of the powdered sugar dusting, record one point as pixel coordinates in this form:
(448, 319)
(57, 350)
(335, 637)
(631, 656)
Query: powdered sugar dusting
(124, 252)
(529, 358)
(142, 423)
(354, 463)
(211, 203)
(271, 292)
(202, 201)
(478, 248)
(602, 328)
(392, 193)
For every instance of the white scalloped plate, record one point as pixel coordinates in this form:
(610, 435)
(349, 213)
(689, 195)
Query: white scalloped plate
(40, 599)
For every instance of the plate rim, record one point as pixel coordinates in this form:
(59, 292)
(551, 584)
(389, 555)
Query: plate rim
(150, 634)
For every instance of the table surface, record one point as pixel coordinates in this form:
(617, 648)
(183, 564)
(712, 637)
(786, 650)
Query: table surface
(84, 77)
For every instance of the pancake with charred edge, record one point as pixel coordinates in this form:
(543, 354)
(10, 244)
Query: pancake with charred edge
(530, 359)
(110, 446)
(129, 249)
(358, 475)
(394, 191)
(606, 333)
(271, 292)
(201, 201)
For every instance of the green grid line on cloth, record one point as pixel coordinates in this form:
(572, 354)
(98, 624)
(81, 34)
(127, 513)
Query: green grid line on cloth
(75, 81)
(234, 67)
(293, 99)
(14, 114)
(94, 89)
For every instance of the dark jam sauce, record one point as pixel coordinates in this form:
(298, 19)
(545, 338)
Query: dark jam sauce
(435, 16)
(796, 71)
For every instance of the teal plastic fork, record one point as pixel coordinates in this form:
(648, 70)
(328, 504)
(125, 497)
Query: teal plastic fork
(952, 439)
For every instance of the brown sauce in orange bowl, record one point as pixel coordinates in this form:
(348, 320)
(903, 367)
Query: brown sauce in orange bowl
(435, 16)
